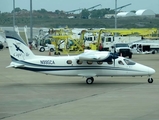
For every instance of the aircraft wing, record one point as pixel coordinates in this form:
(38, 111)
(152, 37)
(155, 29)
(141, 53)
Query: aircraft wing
(15, 65)
(94, 55)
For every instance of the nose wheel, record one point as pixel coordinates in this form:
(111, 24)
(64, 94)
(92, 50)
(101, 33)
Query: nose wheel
(90, 80)
(150, 80)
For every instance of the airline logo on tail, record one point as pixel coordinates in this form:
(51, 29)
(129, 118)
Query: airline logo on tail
(18, 48)
(19, 52)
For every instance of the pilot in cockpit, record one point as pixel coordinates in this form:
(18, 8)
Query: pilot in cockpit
(120, 62)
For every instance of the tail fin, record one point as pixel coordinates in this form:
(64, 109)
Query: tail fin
(17, 47)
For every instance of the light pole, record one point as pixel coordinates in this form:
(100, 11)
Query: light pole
(13, 14)
(31, 22)
(115, 14)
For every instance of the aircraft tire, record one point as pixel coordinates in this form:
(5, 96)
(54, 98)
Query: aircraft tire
(90, 80)
(150, 80)
(1, 46)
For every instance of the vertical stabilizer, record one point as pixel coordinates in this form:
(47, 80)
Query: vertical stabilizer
(17, 47)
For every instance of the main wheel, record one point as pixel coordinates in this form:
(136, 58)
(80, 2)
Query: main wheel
(150, 80)
(90, 80)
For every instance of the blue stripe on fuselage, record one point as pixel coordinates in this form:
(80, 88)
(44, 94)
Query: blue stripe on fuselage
(37, 67)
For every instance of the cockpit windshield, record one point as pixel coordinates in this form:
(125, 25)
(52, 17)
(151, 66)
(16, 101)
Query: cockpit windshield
(129, 62)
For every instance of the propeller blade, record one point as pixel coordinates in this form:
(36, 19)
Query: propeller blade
(114, 62)
(111, 58)
(114, 56)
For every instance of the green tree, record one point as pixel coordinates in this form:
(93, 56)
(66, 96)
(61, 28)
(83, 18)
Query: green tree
(16, 10)
(100, 13)
(57, 11)
(85, 13)
(43, 11)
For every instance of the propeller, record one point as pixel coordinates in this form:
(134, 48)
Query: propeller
(113, 57)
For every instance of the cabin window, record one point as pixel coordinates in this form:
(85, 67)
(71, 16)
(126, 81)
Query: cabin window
(89, 62)
(110, 62)
(69, 61)
(99, 62)
(79, 61)
(120, 62)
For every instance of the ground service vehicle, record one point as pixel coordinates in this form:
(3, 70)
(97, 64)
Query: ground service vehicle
(46, 45)
(141, 47)
(122, 49)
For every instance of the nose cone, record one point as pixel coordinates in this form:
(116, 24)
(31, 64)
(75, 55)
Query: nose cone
(151, 71)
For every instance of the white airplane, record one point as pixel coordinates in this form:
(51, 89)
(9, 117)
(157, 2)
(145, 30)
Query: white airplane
(89, 64)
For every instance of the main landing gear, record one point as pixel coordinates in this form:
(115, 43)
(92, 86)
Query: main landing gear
(150, 80)
(90, 80)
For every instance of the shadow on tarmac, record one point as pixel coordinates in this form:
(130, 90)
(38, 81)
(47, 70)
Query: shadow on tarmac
(74, 84)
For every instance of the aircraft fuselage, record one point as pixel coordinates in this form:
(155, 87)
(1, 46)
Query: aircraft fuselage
(70, 66)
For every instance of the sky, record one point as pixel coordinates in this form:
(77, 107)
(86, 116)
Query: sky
(67, 5)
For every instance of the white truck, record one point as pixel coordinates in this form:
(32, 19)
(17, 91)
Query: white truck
(107, 41)
(141, 47)
(89, 40)
(122, 49)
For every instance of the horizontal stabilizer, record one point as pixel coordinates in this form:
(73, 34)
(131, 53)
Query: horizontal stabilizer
(15, 65)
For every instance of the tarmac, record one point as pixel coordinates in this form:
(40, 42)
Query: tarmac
(26, 95)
